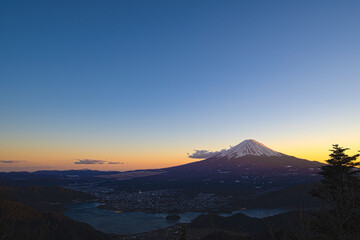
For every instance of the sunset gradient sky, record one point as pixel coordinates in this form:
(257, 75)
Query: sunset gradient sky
(146, 82)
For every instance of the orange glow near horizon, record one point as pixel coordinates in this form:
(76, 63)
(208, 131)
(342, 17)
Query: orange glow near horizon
(63, 159)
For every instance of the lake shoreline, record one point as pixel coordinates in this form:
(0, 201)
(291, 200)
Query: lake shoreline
(128, 223)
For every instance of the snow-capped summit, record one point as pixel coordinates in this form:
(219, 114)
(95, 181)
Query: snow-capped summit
(249, 147)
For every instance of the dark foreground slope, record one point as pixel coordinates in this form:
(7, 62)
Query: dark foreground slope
(19, 219)
(19, 222)
(239, 226)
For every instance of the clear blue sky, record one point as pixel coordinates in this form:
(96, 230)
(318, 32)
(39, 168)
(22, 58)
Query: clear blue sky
(116, 79)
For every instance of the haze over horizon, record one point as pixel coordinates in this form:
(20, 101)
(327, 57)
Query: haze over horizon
(141, 83)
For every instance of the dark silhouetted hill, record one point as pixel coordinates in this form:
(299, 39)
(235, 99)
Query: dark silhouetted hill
(52, 177)
(52, 194)
(240, 226)
(238, 222)
(19, 222)
(221, 235)
(42, 197)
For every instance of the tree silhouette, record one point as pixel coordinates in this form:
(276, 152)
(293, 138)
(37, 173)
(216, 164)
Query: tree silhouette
(340, 192)
(182, 233)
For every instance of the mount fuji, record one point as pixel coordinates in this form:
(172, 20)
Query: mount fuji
(250, 157)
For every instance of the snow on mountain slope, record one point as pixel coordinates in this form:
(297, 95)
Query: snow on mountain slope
(249, 147)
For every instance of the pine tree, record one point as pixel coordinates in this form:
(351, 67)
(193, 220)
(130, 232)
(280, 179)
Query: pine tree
(340, 191)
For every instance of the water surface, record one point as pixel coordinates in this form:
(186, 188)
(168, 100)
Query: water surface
(124, 223)
(136, 222)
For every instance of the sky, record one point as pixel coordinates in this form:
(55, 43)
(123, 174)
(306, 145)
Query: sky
(142, 83)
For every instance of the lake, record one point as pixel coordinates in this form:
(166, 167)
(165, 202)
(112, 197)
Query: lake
(136, 222)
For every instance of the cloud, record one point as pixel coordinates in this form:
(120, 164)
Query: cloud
(200, 154)
(89, 161)
(13, 161)
(115, 163)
